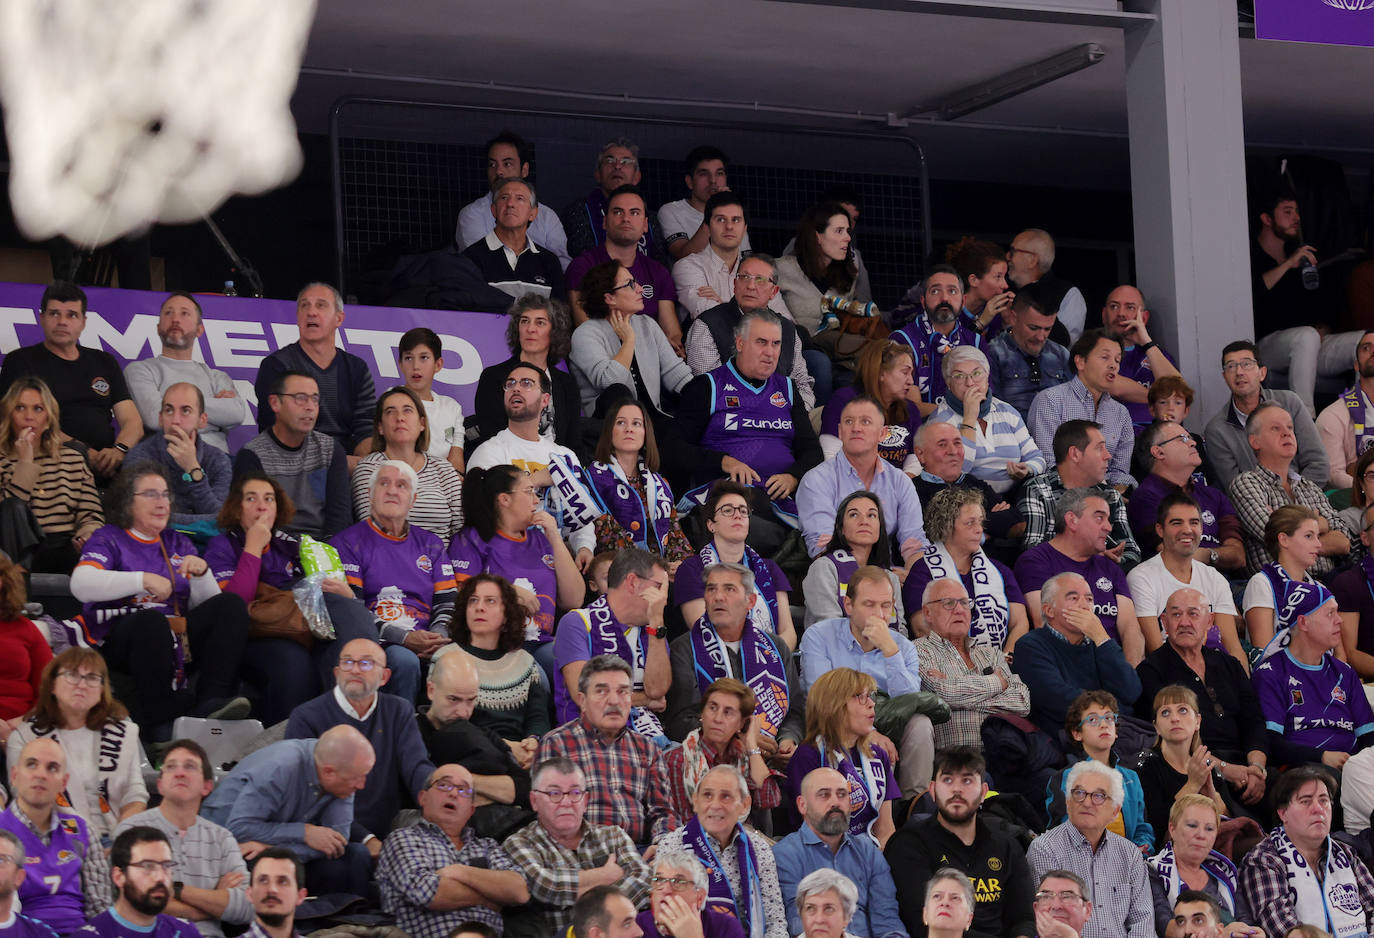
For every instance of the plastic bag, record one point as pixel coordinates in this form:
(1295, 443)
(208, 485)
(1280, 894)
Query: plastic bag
(309, 593)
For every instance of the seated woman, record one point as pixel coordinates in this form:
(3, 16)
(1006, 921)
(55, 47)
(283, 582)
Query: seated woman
(826, 901)
(636, 499)
(1361, 491)
(254, 559)
(954, 523)
(76, 707)
(151, 606)
(948, 910)
(885, 373)
(840, 710)
(823, 267)
(539, 333)
(1292, 535)
(400, 431)
(982, 268)
(618, 351)
(52, 479)
(860, 539)
(728, 735)
(727, 518)
(24, 652)
(1188, 861)
(997, 446)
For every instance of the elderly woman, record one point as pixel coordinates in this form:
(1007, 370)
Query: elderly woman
(52, 479)
(1188, 861)
(154, 609)
(826, 901)
(617, 353)
(76, 707)
(948, 911)
(677, 901)
(1293, 536)
(24, 652)
(860, 539)
(540, 334)
(885, 372)
(744, 876)
(997, 446)
(822, 267)
(400, 432)
(954, 523)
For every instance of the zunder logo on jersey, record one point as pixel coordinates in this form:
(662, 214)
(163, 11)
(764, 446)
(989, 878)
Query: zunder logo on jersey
(732, 421)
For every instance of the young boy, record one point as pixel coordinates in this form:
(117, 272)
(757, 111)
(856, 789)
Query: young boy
(422, 357)
(596, 574)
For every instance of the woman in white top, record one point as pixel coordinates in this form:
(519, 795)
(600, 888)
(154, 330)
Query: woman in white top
(1292, 535)
(997, 446)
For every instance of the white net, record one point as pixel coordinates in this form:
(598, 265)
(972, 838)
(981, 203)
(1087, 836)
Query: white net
(121, 113)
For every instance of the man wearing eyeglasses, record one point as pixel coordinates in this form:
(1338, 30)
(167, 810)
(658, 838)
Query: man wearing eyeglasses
(1062, 907)
(1111, 867)
(562, 855)
(13, 924)
(704, 278)
(143, 870)
(1024, 360)
(1173, 457)
(437, 874)
(1029, 261)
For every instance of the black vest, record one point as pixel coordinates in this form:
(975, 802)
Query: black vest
(721, 321)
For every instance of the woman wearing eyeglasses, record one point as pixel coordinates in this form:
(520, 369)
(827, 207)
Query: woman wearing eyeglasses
(540, 334)
(618, 351)
(885, 372)
(1293, 536)
(998, 448)
(1188, 860)
(860, 539)
(75, 706)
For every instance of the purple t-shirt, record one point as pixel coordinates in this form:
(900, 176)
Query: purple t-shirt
(51, 890)
(919, 576)
(573, 642)
(280, 563)
(652, 276)
(1106, 579)
(862, 811)
(898, 438)
(1322, 707)
(527, 562)
(398, 576)
(114, 548)
(1135, 365)
(106, 925)
(1354, 594)
(1143, 508)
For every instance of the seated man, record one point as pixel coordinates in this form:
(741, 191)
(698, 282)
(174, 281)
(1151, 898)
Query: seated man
(437, 874)
(683, 224)
(1062, 906)
(940, 450)
(704, 278)
(1345, 423)
(298, 794)
(179, 327)
(677, 904)
(864, 641)
(1110, 865)
(1172, 455)
(959, 837)
(1096, 359)
(508, 256)
(13, 923)
(141, 866)
(277, 890)
(1024, 360)
(1029, 260)
(211, 878)
(974, 679)
(1353, 588)
(1124, 316)
(1081, 547)
(508, 157)
(936, 330)
(823, 842)
(86, 382)
(199, 472)
(1273, 482)
(585, 220)
(629, 781)
(604, 912)
(1227, 442)
(1071, 654)
(67, 877)
(562, 855)
(386, 722)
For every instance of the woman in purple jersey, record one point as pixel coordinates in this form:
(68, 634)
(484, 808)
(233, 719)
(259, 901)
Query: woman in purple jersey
(860, 539)
(885, 373)
(1293, 535)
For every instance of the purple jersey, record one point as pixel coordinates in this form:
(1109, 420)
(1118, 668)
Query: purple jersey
(898, 438)
(51, 891)
(752, 424)
(1323, 707)
(653, 277)
(1135, 364)
(527, 562)
(280, 562)
(21, 926)
(399, 576)
(113, 548)
(109, 925)
(573, 643)
(1106, 579)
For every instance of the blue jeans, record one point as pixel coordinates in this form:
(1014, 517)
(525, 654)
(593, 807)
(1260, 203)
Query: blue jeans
(818, 364)
(405, 673)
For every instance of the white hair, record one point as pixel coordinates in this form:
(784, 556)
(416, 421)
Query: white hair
(930, 588)
(959, 355)
(404, 468)
(1093, 767)
(684, 861)
(824, 880)
(1050, 589)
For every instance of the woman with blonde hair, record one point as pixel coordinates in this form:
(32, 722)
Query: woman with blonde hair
(1178, 763)
(1189, 860)
(885, 371)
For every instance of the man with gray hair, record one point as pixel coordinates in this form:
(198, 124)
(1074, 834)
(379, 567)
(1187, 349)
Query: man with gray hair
(508, 157)
(1109, 864)
(1071, 654)
(584, 221)
(1062, 906)
(507, 257)
(826, 900)
(1029, 260)
(677, 904)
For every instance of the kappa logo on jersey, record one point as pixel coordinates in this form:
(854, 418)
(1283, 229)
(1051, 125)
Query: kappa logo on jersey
(1338, 694)
(730, 387)
(1104, 584)
(424, 563)
(731, 400)
(731, 421)
(1292, 681)
(1208, 518)
(101, 387)
(779, 399)
(176, 560)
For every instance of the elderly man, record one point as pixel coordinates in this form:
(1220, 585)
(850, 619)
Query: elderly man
(67, 877)
(677, 904)
(179, 328)
(347, 395)
(604, 912)
(298, 794)
(823, 843)
(1073, 653)
(199, 473)
(585, 220)
(958, 837)
(508, 257)
(562, 856)
(508, 157)
(141, 866)
(974, 679)
(940, 450)
(936, 330)
(856, 466)
(703, 278)
(1096, 359)
(1029, 261)
(1274, 482)
(864, 641)
(1110, 865)
(1172, 454)
(437, 874)
(1299, 874)
(1125, 317)
(211, 880)
(739, 862)
(628, 779)
(276, 889)
(386, 722)
(1024, 360)
(826, 901)
(1062, 906)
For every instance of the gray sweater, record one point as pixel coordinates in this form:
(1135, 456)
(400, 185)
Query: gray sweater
(149, 378)
(1229, 447)
(595, 345)
(801, 295)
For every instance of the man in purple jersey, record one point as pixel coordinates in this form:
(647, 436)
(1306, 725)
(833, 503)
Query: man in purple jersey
(1142, 360)
(12, 872)
(937, 329)
(142, 867)
(1171, 454)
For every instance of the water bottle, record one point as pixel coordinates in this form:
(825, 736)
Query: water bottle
(229, 288)
(1311, 277)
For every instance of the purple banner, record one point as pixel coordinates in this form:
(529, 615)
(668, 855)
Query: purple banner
(1333, 22)
(240, 332)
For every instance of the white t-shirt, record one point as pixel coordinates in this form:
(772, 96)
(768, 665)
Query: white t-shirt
(445, 418)
(1152, 584)
(505, 448)
(678, 221)
(1259, 593)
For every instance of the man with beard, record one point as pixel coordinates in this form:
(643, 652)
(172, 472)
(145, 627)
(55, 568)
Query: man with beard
(978, 847)
(198, 472)
(823, 842)
(935, 331)
(1024, 360)
(277, 888)
(12, 873)
(179, 328)
(1346, 424)
(1125, 317)
(1097, 360)
(508, 157)
(141, 866)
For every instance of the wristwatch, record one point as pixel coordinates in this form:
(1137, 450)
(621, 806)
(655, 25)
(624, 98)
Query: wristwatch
(653, 632)
(176, 889)
(1215, 557)
(195, 475)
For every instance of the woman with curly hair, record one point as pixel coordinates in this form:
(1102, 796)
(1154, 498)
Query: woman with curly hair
(982, 268)
(540, 334)
(885, 372)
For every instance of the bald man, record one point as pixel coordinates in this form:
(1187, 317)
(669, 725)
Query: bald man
(298, 794)
(1125, 316)
(388, 723)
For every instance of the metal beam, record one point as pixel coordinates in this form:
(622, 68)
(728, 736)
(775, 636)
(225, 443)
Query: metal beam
(998, 10)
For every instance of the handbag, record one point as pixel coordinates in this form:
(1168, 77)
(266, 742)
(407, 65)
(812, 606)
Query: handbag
(843, 343)
(273, 613)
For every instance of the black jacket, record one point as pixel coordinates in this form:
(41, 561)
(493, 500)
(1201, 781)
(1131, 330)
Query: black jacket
(489, 405)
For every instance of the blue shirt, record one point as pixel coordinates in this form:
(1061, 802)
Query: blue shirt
(1072, 401)
(824, 487)
(830, 644)
(804, 852)
(1013, 378)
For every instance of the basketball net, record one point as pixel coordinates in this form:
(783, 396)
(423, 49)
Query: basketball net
(122, 113)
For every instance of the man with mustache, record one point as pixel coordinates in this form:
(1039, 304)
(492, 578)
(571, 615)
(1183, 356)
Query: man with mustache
(1097, 360)
(1345, 425)
(935, 331)
(141, 866)
(823, 842)
(277, 889)
(977, 846)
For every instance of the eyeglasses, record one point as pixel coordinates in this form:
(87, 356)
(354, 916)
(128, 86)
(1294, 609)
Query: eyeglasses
(524, 384)
(1241, 364)
(90, 679)
(866, 697)
(976, 374)
(450, 787)
(732, 511)
(628, 285)
(1098, 719)
(951, 604)
(152, 866)
(301, 398)
(364, 665)
(1067, 897)
(610, 162)
(1014, 250)
(17, 861)
(154, 495)
(1186, 437)
(675, 883)
(757, 280)
(1081, 795)
(557, 795)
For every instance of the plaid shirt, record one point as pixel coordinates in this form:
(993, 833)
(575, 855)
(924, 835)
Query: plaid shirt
(408, 877)
(1041, 494)
(627, 777)
(1054, 406)
(970, 692)
(766, 796)
(552, 870)
(1117, 878)
(1264, 883)
(1257, 492)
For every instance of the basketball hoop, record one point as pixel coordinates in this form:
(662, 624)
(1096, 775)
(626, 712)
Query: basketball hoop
(122, 113)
